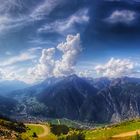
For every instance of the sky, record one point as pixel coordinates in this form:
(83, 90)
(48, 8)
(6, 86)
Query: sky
(51, 38)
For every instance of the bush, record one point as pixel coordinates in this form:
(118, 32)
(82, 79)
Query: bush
(137, 137)
(59, 129)
(34, 135)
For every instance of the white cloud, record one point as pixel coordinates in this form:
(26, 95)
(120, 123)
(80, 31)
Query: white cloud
(9, 21)
(45, 66)
(61, 26)
(116, 68)
(32, 50)
(15, 73)
(7, 5)
(122, 16)
(85, 73)
(25, 56)
(48, 66)
(7, 75)
(45, 8)
(71, 49)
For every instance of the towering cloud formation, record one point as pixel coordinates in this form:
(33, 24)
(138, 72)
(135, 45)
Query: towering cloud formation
(48, 66)
(45, 66)
(70, 49)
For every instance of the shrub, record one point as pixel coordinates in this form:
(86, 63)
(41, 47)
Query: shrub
(34, 135)
(59, 129)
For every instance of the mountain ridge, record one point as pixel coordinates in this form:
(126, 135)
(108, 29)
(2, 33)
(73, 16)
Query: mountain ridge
(94, 100)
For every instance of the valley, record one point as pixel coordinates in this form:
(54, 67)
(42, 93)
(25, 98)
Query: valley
(107, 100)
(78, 108)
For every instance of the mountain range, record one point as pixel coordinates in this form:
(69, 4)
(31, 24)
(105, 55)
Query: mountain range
(98, 100)
(8, 86)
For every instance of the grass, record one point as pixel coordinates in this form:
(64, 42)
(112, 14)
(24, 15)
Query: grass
(100, 133)
(49, 137)
(38, 130)
(107, 132)
(32, 128)
(67, 122)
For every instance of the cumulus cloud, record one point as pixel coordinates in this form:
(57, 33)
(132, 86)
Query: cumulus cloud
(71, 48)
(7, 75)
(85, 73)
(122, 16)
(116, 68)
(48, 66)
(61, 26)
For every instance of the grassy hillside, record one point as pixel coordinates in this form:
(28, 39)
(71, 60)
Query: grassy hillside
(72, 123)
(100, 133)
(59, 131)
(34, 129)
(108, 132)
(10, 130)
(38, 132)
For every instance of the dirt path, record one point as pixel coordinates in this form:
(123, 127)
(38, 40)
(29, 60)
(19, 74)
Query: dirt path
(46, 129)
(127, 134)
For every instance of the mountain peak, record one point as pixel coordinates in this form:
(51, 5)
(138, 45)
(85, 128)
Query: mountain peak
(72, 77)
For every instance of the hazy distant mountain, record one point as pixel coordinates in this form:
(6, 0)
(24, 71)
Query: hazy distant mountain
(11, 85)
(98, 100)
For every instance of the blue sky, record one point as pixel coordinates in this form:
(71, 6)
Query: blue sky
(100, 38)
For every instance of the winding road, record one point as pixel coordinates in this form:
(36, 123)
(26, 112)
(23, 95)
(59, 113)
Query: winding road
(46, 129)
(127, 134)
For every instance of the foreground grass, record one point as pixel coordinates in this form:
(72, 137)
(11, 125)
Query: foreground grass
(34, 129)
(100, 133)
(107, 132)
(49, 137)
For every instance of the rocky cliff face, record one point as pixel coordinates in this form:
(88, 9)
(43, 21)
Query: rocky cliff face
(97, 100)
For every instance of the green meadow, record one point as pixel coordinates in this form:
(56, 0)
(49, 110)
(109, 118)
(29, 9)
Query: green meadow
(107, 132)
